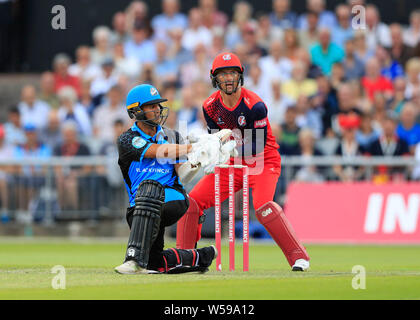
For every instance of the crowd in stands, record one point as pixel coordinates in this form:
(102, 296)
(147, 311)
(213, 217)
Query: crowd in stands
(331, 88)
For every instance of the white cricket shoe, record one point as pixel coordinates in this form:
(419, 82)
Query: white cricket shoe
(301, 265)
(130, 267)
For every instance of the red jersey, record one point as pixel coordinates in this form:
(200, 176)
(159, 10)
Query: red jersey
(249, 117)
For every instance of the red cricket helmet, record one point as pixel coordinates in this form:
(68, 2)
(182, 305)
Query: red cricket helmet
(223, 61)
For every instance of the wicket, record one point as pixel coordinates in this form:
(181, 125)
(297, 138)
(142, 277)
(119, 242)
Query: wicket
(245, 217)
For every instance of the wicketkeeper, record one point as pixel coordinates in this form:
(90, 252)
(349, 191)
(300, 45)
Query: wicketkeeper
(153, 162)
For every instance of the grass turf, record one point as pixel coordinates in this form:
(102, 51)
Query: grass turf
(392, 272)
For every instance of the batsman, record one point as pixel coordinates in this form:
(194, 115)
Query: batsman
(242, 111)
(154, 162)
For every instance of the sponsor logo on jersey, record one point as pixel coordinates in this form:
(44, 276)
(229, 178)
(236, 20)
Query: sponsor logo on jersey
(260, 123)
(242, 121)
(138, 142)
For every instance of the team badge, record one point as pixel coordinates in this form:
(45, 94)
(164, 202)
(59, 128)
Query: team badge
(227, 57)
(138, 142)
(242, 121)
(153, 91)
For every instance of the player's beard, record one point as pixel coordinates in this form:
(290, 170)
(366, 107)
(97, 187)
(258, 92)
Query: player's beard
(233, 84)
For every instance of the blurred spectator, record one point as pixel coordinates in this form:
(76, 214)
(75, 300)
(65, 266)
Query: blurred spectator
(289, 133)
(367, 134)
(304, 56)
(139, 45)
(373, 82)
(337, 75)
(412, 34)
(169, 91)
(309, 36)
(390, 68)
(326, 18)
(68, 178)
(380, 110)
(399, 51)
(136, 11)
(199, 127)
(256, 82)
(299, 84)
(177, 51)
(218, 42)
(101, 85)
(308, 117)
(343, 31)
(129, 66)
(398, 100)
(47, 87)
(361, 49)
(211, 15)
(249, 36)
(307, 150)
(51, 134)
(102, 45)
(165, 67)
(189, 111)
(242, 13)
(201, 89)
(6, 153)
(148, 74)
(354, 67)
(13, 128)
(282, 16)
(349, 148)
(277, 105)
(412, 70)
(291, 44)
(198, 68)
(86, 99)
(266, 32)
(170, 18)
(84, 69)
(105, 115)
(377, 32)
(62, 77)
(71, 110)
(275, 66)
(119, 28)
(31, 109)
(408, 130)
(325, 54)
(196, 33)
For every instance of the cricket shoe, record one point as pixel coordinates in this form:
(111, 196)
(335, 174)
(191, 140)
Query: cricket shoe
(301, 265)
(132, 267)
(207, 255)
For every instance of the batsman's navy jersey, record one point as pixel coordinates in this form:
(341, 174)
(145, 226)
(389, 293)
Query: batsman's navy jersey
(249, 115)
(132, 146)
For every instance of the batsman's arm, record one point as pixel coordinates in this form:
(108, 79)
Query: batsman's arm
(168, 151)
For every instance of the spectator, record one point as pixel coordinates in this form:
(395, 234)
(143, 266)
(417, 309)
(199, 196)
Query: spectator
(165, 67)
(277, 105)
(337, 75)
(13, 128)
(188, 114)
(267, 33)
(71, 110)
(325, 54)
(373, 82)
(69, 178)
(136, 11)
(354, 68)
(31, 109)
(84, 69)
(308, 117)
(86, 99)
(47, 86)
(105, 115)
(412, 70)
(411, 35)
(62, 77)
(399, 51)
(101, 85)
(291, 44)
(275, 66)
(6, 153)
(218, 42)
(377, 32)
(282, 16)
(242, 13)
(367, 134)
(349, 148)
(196, 32)
(170, 18)
(408, 130)
(177, 51)
(343, 31)
(304, 56)
(309, 36)
(379, 107)
(197, 69)
(102, 45)
(299, 84)
(398, 100)
(129, 66)
(289, 133)
(249, 35)
(361, 49)
(139, 45)
(119, 28)
(51, 134)
(390, 68)
(256, 82)
(307, 150)
(212, 17)
(326, 18)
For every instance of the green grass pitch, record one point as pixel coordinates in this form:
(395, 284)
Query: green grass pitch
(392, 272)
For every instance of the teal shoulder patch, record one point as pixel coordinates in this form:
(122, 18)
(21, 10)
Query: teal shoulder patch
(138, 142)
